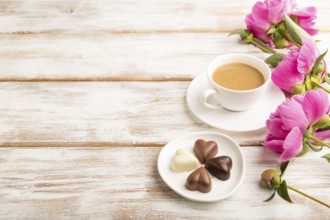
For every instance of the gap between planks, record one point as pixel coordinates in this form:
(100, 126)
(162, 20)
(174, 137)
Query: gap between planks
(99, 144)
(124, 32)
(128, 32)
(123, 78)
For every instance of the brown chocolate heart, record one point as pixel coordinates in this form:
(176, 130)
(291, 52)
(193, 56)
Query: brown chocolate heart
(205, 150)
(199, 180)
(219, 167)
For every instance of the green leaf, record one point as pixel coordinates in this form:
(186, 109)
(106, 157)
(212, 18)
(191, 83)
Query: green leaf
(294, 30)
(282, 191)
(271, 197)
(274, 59)
(313, 148)
(241, 32)
(317, 62)
(283, 167)
(327, 157)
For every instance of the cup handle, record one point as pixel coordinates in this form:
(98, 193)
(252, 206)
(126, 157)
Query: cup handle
(206, 95)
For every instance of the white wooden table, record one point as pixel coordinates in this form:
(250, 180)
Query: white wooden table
(91, 91)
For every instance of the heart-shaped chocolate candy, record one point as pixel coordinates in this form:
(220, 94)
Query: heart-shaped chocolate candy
(219, 167)
(199, 180)
(183, 160)
(205, 150)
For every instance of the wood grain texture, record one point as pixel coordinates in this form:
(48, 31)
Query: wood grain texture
(123, 183)
(116, 57)
(105, 57)
(99, 114)
(128, 16)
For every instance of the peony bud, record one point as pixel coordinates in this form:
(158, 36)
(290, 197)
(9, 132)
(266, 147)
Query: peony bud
(270, 179)
(308, 83)
(320, 69)
(298, 89)
(323, 122)
(281, 43)
(281, 27)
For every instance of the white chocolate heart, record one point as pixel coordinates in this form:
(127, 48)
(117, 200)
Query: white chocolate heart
(183, 160)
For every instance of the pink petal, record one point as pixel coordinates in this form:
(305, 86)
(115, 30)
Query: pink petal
(311, 31)
(285, 78)
(276, 9)
(258, 29)
(286, 75)
(275, 114)
(309, 12)
(298, 98)
(321, 135)
(292, 145)
(293, 115)
(260, 13)
(307, 56)
(292, 55)
(306, 22)
(275, 128)
(306, 19)
(274, 144)
(290, 6)
(257, 22)
(315, 105)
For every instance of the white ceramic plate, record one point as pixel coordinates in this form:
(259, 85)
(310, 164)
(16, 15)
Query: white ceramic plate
(249, 120)
(220, 189)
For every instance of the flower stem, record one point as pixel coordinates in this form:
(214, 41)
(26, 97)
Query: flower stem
(321, 86)
(318, 141)
(308, 196)
(262, 46)
(289, 38)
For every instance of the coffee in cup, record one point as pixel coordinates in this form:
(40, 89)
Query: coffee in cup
(237, 81)
(238, 76)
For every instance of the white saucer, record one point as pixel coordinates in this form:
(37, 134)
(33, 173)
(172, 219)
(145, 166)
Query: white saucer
(249, 120)
(220, 189)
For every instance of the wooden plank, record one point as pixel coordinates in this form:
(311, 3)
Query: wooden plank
(123, 183)
(132, 15)
(104, 57)
(99, 114)
(112, 57)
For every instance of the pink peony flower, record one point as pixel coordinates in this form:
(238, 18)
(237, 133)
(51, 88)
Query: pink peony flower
(292, 70)
(287, 125)
(306, 19)
(271, 12)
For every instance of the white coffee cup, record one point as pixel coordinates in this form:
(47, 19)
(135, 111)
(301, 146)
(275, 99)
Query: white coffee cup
(235, 100)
